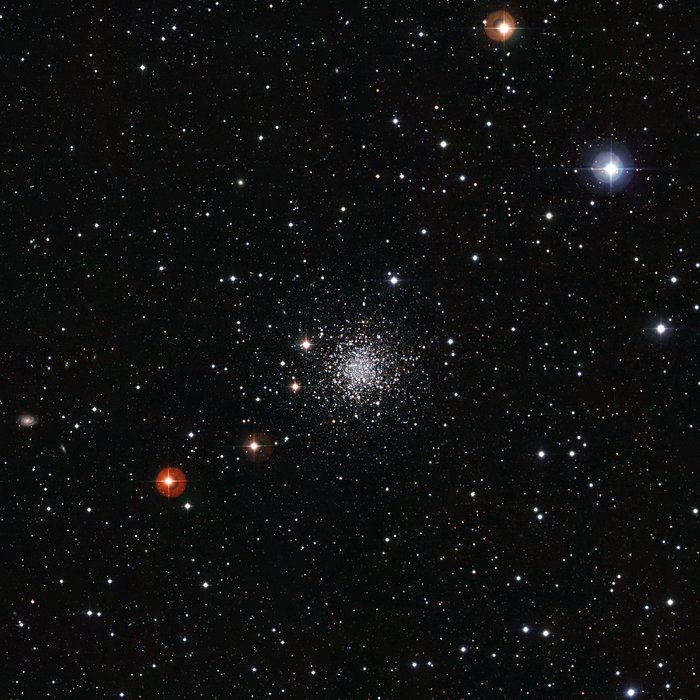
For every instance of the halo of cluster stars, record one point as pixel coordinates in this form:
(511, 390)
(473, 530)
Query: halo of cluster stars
(365, 369)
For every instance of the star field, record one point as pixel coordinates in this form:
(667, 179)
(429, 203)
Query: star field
(350, 352)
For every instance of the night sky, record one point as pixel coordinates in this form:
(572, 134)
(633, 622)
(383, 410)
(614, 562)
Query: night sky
(350, 352)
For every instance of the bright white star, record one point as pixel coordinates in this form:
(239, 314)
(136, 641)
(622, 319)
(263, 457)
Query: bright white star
(611, 169)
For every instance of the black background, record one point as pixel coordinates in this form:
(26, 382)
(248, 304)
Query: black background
(293, 547)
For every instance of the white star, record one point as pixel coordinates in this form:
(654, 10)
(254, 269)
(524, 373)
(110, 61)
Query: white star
(661, 329)
(611, 169)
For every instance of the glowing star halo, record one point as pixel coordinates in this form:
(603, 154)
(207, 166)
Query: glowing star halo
(499, 25)
(611, 169)
(171, 482)
(605, 166)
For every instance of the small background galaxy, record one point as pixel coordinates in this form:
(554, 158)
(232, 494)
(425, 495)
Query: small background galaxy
(350, 350)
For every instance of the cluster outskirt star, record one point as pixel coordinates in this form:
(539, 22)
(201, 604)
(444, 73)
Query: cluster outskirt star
(258, 447)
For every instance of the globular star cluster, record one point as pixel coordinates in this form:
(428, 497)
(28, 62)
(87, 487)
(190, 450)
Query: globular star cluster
(366, 370)
(350, 350)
